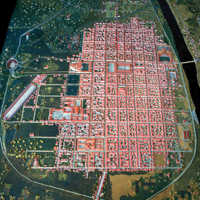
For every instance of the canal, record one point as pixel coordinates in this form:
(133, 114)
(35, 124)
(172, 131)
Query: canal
(184, 55)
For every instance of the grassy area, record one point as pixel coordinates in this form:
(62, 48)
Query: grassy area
(35, 64)
(186, 14)
(187, 187)
(122, 184)
(51, 79)
(166, 195)
(159, 159)
(28, 114)
(42, 114)
(53, 102)
(193, 170)
(50, 90)
(46, 159)
(184, 144)
(23, 130)
(15, 87)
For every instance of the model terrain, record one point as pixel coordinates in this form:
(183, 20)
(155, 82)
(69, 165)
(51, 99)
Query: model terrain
(114, 113)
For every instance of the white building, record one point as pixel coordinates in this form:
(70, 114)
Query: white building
(12, 109)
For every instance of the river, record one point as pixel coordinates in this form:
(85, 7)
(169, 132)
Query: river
(184, 55)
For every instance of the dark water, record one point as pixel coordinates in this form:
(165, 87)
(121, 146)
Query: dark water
(184, 55)
(72, 90)
(6, 11)
(73, 79)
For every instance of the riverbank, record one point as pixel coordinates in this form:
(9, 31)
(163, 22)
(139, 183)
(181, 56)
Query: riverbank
(183, 17)
(182, 188)
(183, 55)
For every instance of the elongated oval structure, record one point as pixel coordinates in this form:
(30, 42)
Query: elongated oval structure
(15, 106)
(25, 94)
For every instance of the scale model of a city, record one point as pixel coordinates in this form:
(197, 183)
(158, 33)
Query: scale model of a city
(117, 109)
